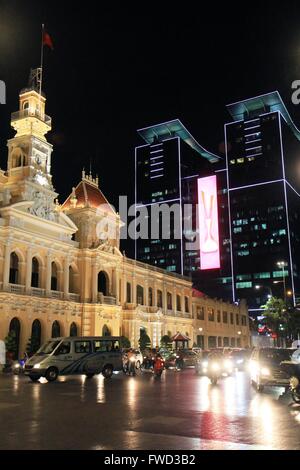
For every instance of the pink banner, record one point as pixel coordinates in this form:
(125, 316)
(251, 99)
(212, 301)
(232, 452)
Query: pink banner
(208, 223)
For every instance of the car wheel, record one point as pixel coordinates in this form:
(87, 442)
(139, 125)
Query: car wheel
(138, 365)
(34, 378)
(295, 396)
(259, 387)
(107, 372)
(51, 374)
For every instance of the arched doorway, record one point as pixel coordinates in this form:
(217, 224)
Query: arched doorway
(35, 273)
(54, 276)
(73, 329)
(14, 269)
(106, 331)
(36, 333)
(14, 333)
(103, 283)
(55, 329)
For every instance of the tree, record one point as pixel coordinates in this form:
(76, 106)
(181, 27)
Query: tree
(32, 345)
(276, 316)
(11, 343)
(124, 342)
(166, 342)
(144, 340)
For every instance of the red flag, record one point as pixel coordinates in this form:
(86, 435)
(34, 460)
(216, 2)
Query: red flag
(47, 41)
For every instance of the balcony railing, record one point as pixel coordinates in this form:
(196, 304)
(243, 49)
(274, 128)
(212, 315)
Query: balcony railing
(38, 292)
(55, 294)
(24, 113)
(15, 288)
(106, 299)
(74, 297)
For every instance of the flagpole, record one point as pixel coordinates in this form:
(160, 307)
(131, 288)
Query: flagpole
(42, 52)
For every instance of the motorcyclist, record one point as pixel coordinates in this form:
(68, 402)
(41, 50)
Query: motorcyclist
(131, 361)
(158, 364)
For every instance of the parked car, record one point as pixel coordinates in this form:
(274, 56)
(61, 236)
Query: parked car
(265, 368)
(181, 359)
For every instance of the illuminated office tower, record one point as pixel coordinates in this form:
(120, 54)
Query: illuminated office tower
(167, 168)
(263, 177)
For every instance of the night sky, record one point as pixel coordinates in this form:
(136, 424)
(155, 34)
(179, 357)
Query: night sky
(126, 65)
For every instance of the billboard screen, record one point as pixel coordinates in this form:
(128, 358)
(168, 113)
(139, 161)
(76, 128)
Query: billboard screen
(208, 223)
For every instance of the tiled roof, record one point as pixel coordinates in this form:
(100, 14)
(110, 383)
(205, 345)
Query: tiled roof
(87, 195)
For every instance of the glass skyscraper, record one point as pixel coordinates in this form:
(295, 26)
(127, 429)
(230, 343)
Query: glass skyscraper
(263, 179)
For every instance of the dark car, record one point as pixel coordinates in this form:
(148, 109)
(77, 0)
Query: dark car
(181, 359)
(265, 368)
(240, 359)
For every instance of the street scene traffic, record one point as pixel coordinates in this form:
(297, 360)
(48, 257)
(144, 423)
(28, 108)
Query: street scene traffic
(156, 399)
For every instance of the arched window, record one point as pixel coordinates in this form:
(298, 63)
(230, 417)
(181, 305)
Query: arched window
(73, 329)
(106, 331)
(36, 333)
(103, 283)
(169, 301)
(178, 303)
(128, 292)
(54, 276)
(55, 329)
(26, 105)
(150, 296)
(35, 273)
(14, 332)
(159, 299)
(14, 269)
(140, 295)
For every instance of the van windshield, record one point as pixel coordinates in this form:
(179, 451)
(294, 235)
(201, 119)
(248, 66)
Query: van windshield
(47, 348)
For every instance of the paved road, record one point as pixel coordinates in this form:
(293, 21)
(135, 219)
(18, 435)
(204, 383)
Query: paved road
(180, 411)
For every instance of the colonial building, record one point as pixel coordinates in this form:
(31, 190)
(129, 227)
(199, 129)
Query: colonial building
(61, 271)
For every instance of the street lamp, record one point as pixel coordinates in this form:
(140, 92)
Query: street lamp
(200, 329)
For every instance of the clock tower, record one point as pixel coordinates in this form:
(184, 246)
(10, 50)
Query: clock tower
(29, 153)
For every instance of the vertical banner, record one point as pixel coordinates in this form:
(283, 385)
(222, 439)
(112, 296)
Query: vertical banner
(208, 223)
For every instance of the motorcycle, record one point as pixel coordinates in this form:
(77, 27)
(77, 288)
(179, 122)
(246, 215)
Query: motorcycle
(292, 367)
(158, 367)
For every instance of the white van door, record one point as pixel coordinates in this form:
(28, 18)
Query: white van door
(62, 356)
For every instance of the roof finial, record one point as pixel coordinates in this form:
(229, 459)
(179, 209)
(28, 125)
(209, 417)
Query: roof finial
(83, 173)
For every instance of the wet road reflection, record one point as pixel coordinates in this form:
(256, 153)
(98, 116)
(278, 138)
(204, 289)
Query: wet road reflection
(182, 410)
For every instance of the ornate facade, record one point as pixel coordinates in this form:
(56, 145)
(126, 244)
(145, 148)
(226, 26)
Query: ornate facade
(60, 276)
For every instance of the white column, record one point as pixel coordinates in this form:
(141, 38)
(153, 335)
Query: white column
(66, 277)
(133, 289)
(28, 270)
(94, 283)
(117, 286)
(6, 267)
(48, 273)
(165, 304)
(154, 294)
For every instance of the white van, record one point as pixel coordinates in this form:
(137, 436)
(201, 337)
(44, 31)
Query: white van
(88, 355)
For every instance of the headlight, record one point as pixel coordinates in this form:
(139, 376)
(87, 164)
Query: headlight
(16, 366)
(215, 366)
(228, 364)
(265, 371)
(37, 366)
(204, 364)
